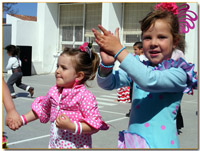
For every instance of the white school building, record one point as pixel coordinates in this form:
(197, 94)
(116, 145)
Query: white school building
(69, 24)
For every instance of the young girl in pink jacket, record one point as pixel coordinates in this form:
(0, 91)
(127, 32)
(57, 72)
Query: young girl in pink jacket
(71, 109)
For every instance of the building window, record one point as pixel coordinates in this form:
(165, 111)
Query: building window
(67, 33)
(71, 24)
(93, 18)
(133, 13)
(78, 33)
(76, 22)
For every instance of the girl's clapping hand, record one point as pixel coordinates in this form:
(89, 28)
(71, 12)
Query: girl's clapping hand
(63, 122)
(107, 59)
(107, 41)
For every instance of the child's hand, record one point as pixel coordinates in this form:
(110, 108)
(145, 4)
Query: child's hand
(107, 41)
(13, 124)
(63, 122)
(107, 59)
(13, 120)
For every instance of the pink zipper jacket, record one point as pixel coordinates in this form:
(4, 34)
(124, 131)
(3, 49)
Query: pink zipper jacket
(78, 104)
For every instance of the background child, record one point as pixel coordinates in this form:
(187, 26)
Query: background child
(123, 93)
(14, 63)
(70, 107)
(138, 50)
(158, 85)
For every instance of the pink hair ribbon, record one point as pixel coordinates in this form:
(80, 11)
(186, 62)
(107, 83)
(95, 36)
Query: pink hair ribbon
(85, 48)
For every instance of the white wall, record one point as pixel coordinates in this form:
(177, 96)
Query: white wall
(191, 51)
(13, 21)
(112, 19)
(24, 33)
(112, 15)
(42, 35)
(6, 41)
(47, 18)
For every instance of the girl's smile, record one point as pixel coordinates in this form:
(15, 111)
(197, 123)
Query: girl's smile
(158, 42)
(154, 53)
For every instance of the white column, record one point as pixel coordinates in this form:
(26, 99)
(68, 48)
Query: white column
(48, 37)
(191, 40)
(112, 15)
(112, 19)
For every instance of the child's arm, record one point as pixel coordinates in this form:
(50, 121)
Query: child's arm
(12, 116)
(24, 119)
(63, 122)
(146, 78)
(30, 116)
(87, 129)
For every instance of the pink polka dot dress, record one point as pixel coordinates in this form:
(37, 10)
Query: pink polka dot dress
(78, 104)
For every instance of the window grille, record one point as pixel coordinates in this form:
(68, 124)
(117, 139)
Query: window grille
(93, 18)
(71, 15)
(133, 13)
(76, 22)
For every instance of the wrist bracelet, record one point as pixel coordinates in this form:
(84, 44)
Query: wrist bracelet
(107, 67)
(24, 121)
(80, 128)
(76, 129)
(119, 52)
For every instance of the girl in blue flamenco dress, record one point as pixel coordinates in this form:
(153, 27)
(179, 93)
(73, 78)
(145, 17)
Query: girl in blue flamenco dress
(158, 84)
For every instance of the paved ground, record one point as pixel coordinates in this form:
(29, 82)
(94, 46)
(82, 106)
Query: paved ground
(36, 135)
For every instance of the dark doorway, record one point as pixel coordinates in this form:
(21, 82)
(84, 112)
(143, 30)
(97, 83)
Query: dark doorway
(26, 58)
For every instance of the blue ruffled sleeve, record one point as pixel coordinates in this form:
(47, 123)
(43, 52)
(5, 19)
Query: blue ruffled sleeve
(187, 67)
(169, 76)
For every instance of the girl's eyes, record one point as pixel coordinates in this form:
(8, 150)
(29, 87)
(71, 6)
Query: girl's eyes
(146, 37)
(63, 67)
(149, 37)
(162, 37)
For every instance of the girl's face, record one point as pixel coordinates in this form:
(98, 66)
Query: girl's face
(158, 42)
(65, 73)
